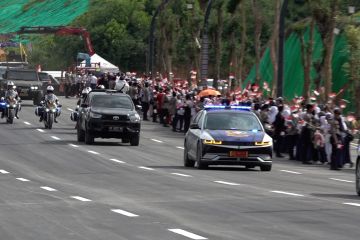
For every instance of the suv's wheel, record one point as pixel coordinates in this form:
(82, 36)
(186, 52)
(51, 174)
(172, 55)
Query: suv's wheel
(199, 164)
(265, 168)
(135, 140)
(187, 161)
(37, 99)
(89, 138)
(80, 134)
(358, 176)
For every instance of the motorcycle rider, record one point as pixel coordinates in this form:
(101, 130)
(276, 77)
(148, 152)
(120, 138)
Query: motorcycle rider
(11, 93)
(81, 100)
(49, 96)
(121, 85)
(84, 94)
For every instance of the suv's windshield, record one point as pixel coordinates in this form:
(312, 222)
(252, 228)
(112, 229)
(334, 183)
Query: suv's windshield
(112, 101)
(22, 75)
(232, 121)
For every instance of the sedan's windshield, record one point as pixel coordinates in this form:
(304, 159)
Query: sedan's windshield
(232, 121)
(112, 101)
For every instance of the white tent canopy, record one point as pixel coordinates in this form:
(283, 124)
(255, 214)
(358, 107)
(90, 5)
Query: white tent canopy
(105, 66)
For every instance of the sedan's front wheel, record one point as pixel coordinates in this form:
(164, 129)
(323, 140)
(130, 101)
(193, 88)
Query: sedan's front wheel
(187, 161)
(199, 164)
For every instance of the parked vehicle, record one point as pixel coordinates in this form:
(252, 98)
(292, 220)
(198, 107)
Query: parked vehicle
(27, 83)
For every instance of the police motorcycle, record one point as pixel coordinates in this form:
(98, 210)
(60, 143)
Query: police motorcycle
(10, 107)
(48, 110)
(75, 114)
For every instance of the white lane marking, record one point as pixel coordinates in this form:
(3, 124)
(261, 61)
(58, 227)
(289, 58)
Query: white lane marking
(287, 171)
(27, 123)
(23, 179)
(186, 234)
(2, 171)
(180, 148)
(70, 109)
(146, 168)
(117, 161)
(288, 193)
(180, 174)
(93, 152)
(125, 213)
(155, 140)
(40, 130)
(48, 189)
(81, 199)
(73, 145)
(341, 180)
(227, 183)
(352, 204)
(54, 137)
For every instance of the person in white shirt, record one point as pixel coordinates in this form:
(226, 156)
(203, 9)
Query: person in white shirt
(121, 85)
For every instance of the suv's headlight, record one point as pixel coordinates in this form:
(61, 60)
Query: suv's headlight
(95, 115)
(134, 117)
(34, 87)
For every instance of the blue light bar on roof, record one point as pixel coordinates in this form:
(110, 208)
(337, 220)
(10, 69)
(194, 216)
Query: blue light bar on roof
(233, 107)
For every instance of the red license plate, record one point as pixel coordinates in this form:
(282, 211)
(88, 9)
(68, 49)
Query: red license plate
(239, 154)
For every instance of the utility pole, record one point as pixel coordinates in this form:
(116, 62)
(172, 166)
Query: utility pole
(150, 67)
(280, 81)
(204, 54)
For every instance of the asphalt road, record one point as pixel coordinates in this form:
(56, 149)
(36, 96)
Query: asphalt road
(52, 187)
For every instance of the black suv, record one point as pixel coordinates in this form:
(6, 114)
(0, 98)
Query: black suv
(108, 114)
(27, 83)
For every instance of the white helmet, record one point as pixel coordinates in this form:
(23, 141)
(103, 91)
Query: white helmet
(50, 88)
(10, 84)
(86, 90)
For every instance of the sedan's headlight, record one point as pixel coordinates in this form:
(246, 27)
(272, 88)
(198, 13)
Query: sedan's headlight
(34, 87)
(262, 143)
(212, 142)
(134, 118)
(95, 115)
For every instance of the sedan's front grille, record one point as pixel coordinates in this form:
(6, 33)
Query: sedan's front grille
(115, 117)
(234, 143)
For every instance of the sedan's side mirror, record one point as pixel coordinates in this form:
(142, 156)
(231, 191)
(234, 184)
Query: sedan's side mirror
(194, 126)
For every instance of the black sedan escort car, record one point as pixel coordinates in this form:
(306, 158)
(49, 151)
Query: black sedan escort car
(231, 135)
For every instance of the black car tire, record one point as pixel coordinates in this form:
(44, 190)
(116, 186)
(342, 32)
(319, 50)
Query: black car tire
(199, 164)
(135, 140)
(265, 168)
(357, 180)
(187, 161)
(80, 134)
(89, 138)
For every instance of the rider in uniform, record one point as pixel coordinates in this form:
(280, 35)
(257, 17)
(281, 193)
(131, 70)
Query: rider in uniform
(11, 93)
(49, 96)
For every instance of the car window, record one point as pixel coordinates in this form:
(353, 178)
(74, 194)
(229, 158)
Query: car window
(197, 117)
(112, 101)
(232, 121)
